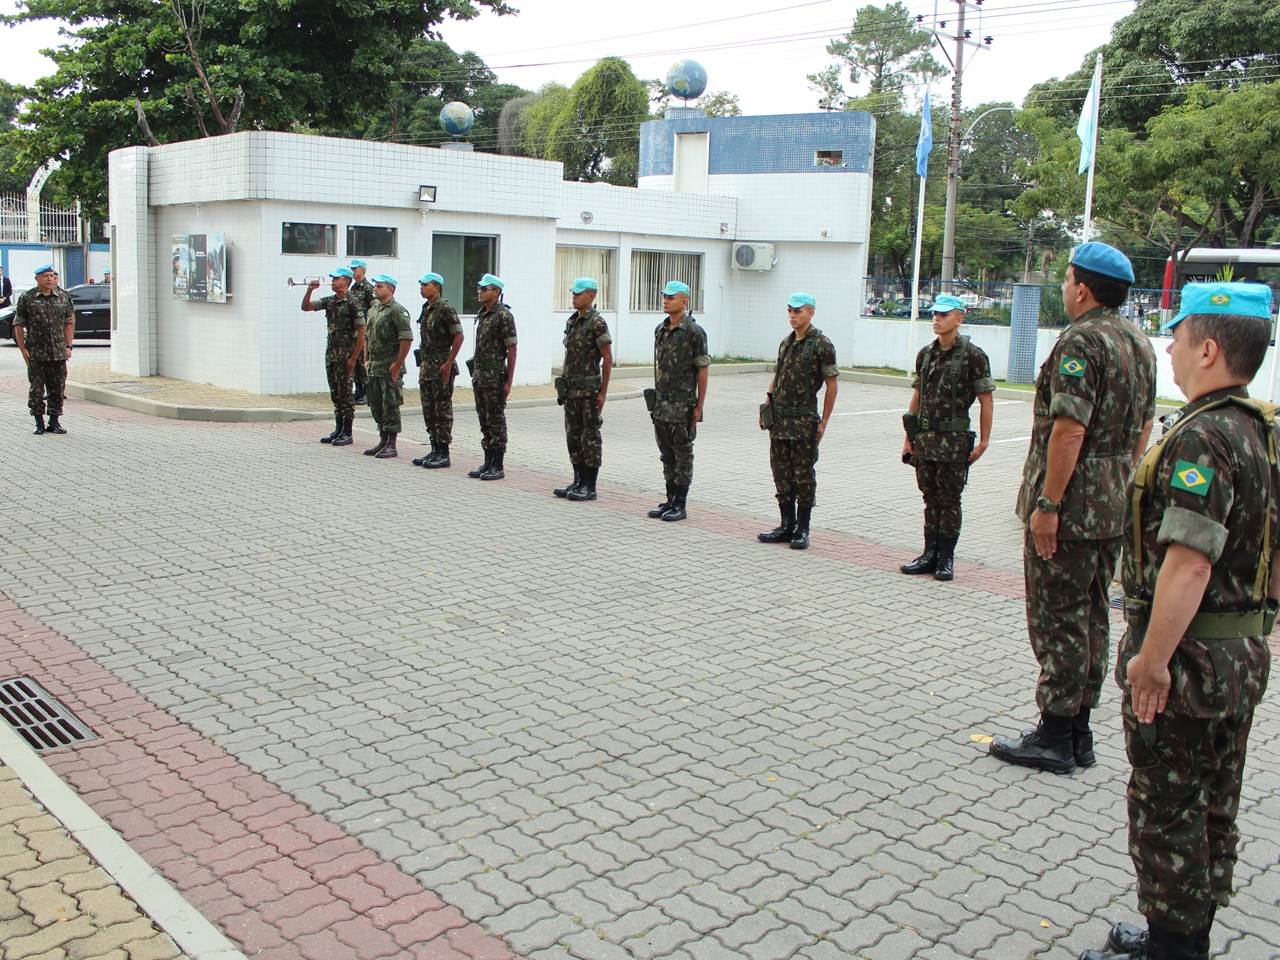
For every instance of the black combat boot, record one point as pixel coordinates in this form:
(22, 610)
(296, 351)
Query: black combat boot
(800, 536)
(782, 532)
(388, 449)
(946, 557)
(927, 562)
(679, 498)
(1082, 739)
(337, 431)
(665, 505)
(1126, 940)
(441, 458)
(55, 427)
(39, 426)
(426, 458)
(483, 468)
(344, 438)
(382, 442)
(563, 492)
(1047, 747)
(586, 489)
(495, 471)
(361, 394)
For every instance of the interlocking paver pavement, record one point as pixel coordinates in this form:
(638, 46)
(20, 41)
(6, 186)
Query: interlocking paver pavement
(588, 733)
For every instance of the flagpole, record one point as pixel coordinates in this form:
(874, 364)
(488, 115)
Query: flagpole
(1093, 147)
(915, 283)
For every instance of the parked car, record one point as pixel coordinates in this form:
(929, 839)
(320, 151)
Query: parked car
(93, 312)
(874, 307)
(902, 308)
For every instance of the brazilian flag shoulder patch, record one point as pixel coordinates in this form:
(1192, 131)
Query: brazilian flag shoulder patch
(1192, 477)
(1071, 367)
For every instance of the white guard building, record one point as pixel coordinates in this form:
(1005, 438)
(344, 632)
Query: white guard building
(207, 233)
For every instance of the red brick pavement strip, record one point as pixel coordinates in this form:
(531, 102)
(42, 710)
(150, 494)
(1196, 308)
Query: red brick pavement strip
(279, 880)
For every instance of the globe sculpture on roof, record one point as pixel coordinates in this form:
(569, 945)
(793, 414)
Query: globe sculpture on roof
(687, 80)
(457, 119)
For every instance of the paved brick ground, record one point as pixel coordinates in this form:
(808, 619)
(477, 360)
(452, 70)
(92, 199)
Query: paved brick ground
(588, 733)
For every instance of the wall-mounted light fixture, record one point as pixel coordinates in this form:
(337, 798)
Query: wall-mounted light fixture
(427, 194)
(586, 216)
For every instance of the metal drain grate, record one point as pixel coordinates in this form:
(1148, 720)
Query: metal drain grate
(36, 714)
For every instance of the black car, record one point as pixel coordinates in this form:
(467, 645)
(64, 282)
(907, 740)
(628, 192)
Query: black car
(93, 312)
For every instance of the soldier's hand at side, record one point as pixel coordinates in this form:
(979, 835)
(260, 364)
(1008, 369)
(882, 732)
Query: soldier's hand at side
(506, 389)
(1044, 531)
(1149, 685)
(445, 369)
(908, 448)
(394, 369)
(600, 403)
(351, 366)
(978, 451)
(817, 437)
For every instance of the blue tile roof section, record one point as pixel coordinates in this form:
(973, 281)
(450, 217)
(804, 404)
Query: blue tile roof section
(787, 143)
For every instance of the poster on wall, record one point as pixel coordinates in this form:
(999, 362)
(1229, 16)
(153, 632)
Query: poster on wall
(200, 267)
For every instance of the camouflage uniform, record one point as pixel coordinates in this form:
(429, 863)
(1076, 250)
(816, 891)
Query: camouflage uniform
(388, 325)
(803, 367)
(438, 325)
(949, 383)
(677, 354)
(495, 332)
(584, 336)
(1101, 373)
(1185, 787)
(362, 291)
(345, 316)
(42, 319)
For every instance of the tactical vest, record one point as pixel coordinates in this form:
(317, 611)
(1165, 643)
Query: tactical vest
(1207, 623)
(955, 362)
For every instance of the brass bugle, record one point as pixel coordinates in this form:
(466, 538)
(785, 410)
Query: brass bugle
(304, 282)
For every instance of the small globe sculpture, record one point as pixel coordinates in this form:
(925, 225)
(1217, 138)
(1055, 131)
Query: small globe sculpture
(687, 80)
(457, 119)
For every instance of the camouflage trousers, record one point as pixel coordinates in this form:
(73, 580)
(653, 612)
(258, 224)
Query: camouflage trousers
(385, 399)
(942, 482)
(792, 462)
(675, 447)
(358, 375)
(1068, 620)
(491, 409)
(46, 377)
(582, 430)
(1184, 793)
(340, 389)
(437, 406)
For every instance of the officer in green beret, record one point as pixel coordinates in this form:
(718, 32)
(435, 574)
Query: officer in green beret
(1201, 584)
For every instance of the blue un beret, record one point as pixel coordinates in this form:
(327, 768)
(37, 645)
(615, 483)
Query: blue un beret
(1104, 260)
(583, 284)
(432, 278)
(386, 278)
(946, 303)
(1237, 299)
(489, 280)
(44, 268)
(342, 272)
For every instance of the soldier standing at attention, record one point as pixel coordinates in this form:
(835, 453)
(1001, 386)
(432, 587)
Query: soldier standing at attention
(1095, 397)
(441, 334)
(493, 370)
(44, 326)
(389, 339)
(346, 343)
(680, 362)
(582, 388)
(950, 373)
(1200, 584)
(362, 290)
(806, 360)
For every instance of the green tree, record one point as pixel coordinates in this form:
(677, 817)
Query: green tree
(885, 49)
(139, 71)
(14, 175)
(594, 127)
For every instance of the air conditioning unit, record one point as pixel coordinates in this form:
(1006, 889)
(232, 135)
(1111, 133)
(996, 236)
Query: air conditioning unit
(753, 256)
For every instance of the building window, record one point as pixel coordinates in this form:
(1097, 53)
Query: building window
(828, 158)
(371, 241)
(462, 261)
(596, 262)
(650, 271)
(310, 238)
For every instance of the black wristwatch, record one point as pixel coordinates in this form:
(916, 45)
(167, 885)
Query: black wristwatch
(1045, 505)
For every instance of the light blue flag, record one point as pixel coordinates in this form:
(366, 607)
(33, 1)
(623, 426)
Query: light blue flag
(1087, 128)
(925, 144)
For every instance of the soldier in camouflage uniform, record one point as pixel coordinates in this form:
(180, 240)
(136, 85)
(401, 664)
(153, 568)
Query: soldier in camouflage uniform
(582, 388)
(389, 337)
(1095, 397)
(950, 373)
(1200, 598)
(441, 339)
(44, 326)
(680, 362)
(806, 360)
(362, 290)
(346, 342)
(493, 370)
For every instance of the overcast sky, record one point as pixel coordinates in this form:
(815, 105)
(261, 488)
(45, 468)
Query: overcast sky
(760, 50)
